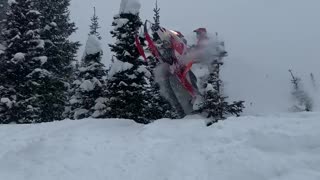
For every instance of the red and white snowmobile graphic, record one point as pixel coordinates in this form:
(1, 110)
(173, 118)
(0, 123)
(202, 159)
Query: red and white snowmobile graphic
(170, 49)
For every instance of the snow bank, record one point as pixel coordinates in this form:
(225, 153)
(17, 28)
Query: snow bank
(130, 6)
(278, 147)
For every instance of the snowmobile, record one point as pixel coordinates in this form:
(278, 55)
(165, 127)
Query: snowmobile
(171, 48)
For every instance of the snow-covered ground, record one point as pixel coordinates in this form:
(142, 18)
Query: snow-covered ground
(277, 147)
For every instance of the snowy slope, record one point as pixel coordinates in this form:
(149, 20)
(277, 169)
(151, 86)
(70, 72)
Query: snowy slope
(278, 147)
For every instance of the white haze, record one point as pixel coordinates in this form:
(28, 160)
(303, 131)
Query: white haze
(264, 39)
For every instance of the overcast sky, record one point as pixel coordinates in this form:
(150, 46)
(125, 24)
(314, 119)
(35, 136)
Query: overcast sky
(264, 39)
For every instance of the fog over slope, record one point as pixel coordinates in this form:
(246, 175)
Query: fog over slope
(264, 39)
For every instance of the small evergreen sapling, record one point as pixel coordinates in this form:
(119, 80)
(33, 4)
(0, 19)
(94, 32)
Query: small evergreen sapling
(94, 27)
(215, 105)
(314, 82)
(303, 102)
(156, 21)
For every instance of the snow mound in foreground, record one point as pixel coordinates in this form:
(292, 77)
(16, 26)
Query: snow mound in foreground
(279, 147)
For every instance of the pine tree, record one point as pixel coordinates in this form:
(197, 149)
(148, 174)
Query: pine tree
(313, 82)
(128, 82)
(28, 87)
(215, 105)
(8, 103)
(88, 95)
(156, 18)
(3, 10)
(157, 106)
(303, 102)
(60, 51)
(156, 22)
(94, 27)
(6, 93)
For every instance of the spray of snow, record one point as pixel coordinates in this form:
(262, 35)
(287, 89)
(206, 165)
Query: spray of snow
(206, 51)
(130, 6)
(201, 54)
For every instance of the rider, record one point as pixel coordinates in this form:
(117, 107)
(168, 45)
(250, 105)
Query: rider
(202, 35)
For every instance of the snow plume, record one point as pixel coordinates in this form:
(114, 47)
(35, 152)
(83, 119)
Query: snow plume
(203, 54)
(130, 6)
(161, 75)
(206, 51)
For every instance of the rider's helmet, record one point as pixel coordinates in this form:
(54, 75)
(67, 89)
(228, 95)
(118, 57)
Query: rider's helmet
(201, 34)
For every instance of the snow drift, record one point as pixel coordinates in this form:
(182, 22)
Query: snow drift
(278, 147)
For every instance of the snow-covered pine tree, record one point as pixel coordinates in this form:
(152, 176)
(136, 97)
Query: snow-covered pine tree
(94, 27)
(29, 88)
(303, 101)
(129, 78)
(88, 89)
(2, 49)
(214, 103)
(5, 102)
(60, 51)
(8, 99)
(3, 7)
